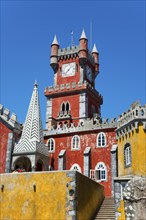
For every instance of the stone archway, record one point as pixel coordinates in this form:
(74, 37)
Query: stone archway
(23, 163)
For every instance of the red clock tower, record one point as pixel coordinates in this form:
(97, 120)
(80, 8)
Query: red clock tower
(76, 135)
(73, 96)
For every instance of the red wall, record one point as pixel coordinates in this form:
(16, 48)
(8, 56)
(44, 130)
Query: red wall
(4, 131)
(76, 156)
(74, 105)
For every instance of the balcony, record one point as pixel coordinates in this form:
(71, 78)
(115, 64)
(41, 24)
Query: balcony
(64, 114)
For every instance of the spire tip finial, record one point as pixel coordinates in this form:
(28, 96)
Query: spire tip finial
(94, 50)
(35, 84)
(83, 35)
(55, 40)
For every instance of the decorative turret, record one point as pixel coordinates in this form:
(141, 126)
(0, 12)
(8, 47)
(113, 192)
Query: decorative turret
(96, 59)
(83, 51)
(54, 54)
(31, 153)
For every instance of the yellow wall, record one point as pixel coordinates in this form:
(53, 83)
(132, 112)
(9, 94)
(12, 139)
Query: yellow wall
(121, 210)
(51, 200)
(19, 201)
(88, 197)
(137, 141)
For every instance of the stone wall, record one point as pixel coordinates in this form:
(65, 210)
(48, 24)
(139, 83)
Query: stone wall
(134, 196)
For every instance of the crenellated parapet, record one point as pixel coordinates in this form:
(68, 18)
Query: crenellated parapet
(69, 52)
(130, 120)
(84, 125)
(10, 120)
(71, 87)
(72, 52)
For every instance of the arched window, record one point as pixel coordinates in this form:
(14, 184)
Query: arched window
(75, 142)
(51, 145)
(101, 173)
(76, 167)
(63, 107)
(142, 112)
(127, 155)
(101, 140)
(67, 106)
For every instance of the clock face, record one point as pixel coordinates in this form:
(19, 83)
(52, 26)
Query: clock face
(68, 69)
(88, 73)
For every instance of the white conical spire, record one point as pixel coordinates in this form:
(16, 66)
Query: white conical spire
(32, 128)
(94, 50)
(55, 41)
(32, 134)
(83, 35)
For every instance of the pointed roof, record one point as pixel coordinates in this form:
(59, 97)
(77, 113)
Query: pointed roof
(83, 35)
(32, 134)
(94, 50)
(55, 41)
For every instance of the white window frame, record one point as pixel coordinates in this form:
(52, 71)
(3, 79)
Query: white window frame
(92, 174)
(65, 106)
(97, 174)
(51, 148)
(76, 167)
(75, 143)
(127, 154)
(101, 139)
(61, 108)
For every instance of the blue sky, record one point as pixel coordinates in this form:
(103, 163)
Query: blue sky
(28, 29)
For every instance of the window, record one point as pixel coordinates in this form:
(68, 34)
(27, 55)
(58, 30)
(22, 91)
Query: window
(75, 142)
(127, 154)
(92, 174)
(100, 173)
(101, 140)
(142, 112)
(76, 167)
(65, 107)
(51, 145)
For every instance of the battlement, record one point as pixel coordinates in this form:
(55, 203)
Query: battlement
(71, 52)
(70, 87)
(68, 51)
(10, 120)
(131, 118)
(84, 125)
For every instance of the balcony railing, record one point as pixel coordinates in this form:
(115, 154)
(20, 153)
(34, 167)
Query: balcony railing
(64, 114)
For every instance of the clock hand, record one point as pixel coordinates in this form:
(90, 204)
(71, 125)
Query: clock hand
(68, 69)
